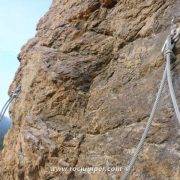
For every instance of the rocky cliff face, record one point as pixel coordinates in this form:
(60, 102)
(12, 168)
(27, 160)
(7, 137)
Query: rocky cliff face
(89, 78)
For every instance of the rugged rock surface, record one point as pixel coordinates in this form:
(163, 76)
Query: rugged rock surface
(89, 78)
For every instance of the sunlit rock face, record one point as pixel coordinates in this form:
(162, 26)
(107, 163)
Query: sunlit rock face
(89, 78)
(5, 124)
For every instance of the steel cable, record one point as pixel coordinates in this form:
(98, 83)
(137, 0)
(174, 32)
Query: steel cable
(171, 89)
(141, 142)
(12, 97)
(168, 53)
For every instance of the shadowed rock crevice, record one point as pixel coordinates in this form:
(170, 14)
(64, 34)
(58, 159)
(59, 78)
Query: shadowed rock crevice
(108, 3)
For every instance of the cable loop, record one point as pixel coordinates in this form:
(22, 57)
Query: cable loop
(14, 95)
(167, 50)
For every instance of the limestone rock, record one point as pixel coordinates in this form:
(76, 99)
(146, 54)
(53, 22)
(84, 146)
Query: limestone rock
(89, 79)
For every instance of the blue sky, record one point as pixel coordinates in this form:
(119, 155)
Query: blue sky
(18, 19)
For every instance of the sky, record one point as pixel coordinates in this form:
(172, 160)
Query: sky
(18, 20)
